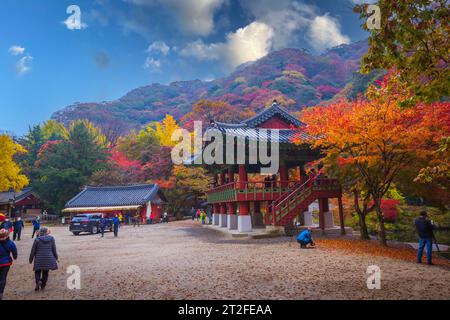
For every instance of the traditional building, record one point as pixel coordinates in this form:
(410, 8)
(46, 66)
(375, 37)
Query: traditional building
(242, 204)
(25, 203)
(127, 200)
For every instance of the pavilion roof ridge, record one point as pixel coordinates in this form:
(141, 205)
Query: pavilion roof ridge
(274, 110)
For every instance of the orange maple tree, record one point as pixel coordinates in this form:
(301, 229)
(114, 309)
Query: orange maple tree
(377, 136)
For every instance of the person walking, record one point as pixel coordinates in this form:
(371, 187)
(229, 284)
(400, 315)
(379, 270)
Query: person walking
(198, 214)
(36, 226)
(137, 220)
(45, 257)
(193, 213)
(7, 249)
(424, 228)
(18, 226)
(165, 217)
(304, 238)
(116, 224)
(151, 217)
(103, 224)
(203, 216)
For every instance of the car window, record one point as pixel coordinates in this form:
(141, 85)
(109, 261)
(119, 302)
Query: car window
(78, 218)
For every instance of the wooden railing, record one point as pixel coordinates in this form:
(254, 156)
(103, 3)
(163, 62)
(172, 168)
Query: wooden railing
(267, 190)
(290, 202)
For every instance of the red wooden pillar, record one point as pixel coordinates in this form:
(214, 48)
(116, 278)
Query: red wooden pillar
(242, 176)
(216, 208)
(323, 207)
(284, 176)
(341, 216)
(230, 174)
(231, 208)
(222, 178)
(223, 208)
(302, 173)
(243, 208)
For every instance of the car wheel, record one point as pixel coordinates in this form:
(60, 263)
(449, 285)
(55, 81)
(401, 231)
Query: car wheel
(75, 233)
(94, 230)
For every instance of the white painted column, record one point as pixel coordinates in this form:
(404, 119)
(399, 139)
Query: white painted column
(222, 220)
(232, 221)
(329, 219)
(244, 223)
(308, 218)
(215, 219)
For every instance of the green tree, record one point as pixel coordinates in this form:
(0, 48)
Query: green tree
(64, 166)
(412, 39)
(53, 130)
(32, 142)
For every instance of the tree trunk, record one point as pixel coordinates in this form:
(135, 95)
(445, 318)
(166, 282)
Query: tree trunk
(361, 216)
(363, 227)
(382, 231)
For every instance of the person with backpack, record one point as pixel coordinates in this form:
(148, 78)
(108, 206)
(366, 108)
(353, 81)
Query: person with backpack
(424, 229)
(45, 257)
(7, 249)
(18, 226)
(36, 226)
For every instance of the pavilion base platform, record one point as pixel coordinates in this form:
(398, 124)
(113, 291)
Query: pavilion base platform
(232, 222)
(272, 232)
(222, 220)
(215, 219)
(244, 223)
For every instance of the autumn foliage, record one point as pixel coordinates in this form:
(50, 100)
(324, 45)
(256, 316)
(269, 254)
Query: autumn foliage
(377, 136)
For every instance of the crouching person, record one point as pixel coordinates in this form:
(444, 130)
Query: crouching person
(304, 238)
(45, 257)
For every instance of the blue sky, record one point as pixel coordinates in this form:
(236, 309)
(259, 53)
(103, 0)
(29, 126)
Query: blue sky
(48, 61)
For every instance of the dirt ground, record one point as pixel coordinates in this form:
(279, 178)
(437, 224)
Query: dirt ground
(182, 260)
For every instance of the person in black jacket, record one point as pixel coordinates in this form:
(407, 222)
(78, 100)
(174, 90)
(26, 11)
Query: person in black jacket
(425, 230)
(45, 257)
(18, 226)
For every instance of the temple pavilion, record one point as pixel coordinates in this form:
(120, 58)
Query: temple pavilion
(268, 199)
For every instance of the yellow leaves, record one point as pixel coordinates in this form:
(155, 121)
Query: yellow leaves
(10, 176)
(162, 131)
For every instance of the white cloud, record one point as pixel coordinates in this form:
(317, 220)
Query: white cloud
(194, 16)
(23, 65)
(295, 23)
(151, 63)
(159, 47)
(325, 32)
(245, 44)
(16, 50)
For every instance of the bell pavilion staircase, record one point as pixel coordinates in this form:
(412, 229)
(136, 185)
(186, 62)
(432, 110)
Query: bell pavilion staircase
(284, 209)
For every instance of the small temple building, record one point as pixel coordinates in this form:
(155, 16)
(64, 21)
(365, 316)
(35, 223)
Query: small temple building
(25, 203)
(143, 199)
(243, 203)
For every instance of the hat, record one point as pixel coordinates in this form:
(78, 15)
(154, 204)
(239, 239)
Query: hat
(423, 214)
(4, 234)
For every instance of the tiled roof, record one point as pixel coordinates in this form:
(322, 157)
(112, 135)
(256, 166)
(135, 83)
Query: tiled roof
(272, 135)
(273, 111)
(6, 196)
(115, 196)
